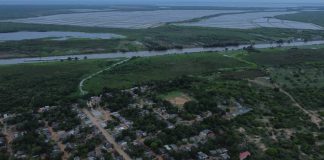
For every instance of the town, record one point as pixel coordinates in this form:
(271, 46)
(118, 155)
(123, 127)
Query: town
(124, 124)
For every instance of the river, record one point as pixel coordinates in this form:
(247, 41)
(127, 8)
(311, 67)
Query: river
(151, 53)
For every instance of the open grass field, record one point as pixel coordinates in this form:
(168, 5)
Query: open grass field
(280, 57)
(34, 85)
(177, 98)
(140, 70)
(315, 17)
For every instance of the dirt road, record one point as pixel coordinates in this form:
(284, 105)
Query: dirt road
(108, 137)
(314, 118)
(55, 138)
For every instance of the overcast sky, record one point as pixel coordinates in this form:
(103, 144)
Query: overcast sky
(152, 2)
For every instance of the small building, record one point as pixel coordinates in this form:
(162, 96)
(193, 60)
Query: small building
(167, 147)
(244, 155)
(202, 156)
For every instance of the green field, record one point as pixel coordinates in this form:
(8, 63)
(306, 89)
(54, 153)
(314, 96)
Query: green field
(157, 68)
(315, 17)
(280, 57)
(33, 85)
(171, 95)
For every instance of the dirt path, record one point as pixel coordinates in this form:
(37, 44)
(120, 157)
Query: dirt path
(56, 138)
(81, 84)
(314, 118)
(108, 137)
(106, 114)
(157, 157)
(8, 134)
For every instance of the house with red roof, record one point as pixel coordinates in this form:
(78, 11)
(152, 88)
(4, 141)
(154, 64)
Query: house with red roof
(244, 155)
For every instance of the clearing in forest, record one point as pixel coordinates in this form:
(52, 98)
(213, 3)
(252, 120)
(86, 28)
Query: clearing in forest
(177, 98)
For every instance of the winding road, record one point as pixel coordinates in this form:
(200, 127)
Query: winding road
(81, 84)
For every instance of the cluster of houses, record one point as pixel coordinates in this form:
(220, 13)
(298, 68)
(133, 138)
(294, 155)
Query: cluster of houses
(3, 143)
(62, 141)
(187, 144)
(87, 131)
(233, 109)
(218, 154)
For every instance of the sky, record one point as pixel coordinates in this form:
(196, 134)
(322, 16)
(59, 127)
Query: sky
(159, 2)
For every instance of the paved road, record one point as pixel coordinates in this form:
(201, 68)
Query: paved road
(108, 137)
(81, 84)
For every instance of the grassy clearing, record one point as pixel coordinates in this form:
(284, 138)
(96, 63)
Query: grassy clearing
(35, 85)
(171, 95)
(141, 70)
(299, 77)
(177, 98)
(279, 57)
(315, 17)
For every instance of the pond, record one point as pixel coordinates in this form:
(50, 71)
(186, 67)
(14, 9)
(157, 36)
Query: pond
(18, 36)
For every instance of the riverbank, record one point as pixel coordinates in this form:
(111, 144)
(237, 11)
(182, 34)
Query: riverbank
(152, 53)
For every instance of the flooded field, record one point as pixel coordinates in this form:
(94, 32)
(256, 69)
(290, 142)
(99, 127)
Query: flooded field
(17, 36)
(119, 19)
(253, 20)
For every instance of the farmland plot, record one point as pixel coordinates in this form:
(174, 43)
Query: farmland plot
(253, 20)
(119, 19)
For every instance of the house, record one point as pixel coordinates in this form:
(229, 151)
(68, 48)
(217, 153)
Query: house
(76, 158)
(94, 101)
(225, 156)
(103, 124)
(205, 133)
(62, 135)
(43, 109)
(149, 154)
(140, 133)
(244, 155)
(2, 142)
(69, 147)
(202, 156)
(91, 158)
(174, 147)
(167, 147)
(185, 148)
(221, 153)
